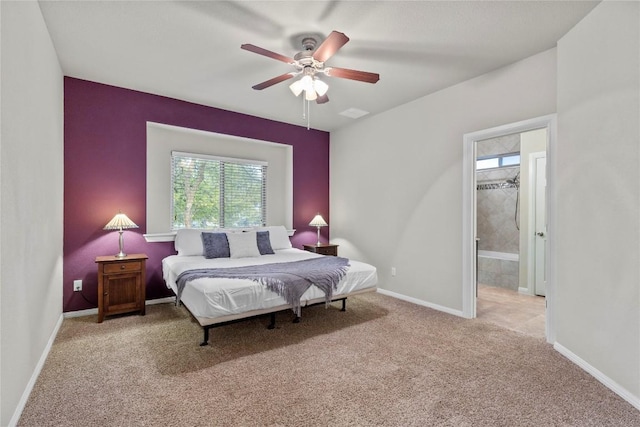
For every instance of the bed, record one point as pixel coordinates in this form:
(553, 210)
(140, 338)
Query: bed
(216, 301)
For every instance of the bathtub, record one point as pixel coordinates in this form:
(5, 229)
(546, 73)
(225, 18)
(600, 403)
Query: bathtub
(499, 269)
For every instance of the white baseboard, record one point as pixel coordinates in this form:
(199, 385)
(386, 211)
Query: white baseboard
(34, 376)
(421, 302)
(524, 291)
(92, 311)
(608, 382)
(80, 313)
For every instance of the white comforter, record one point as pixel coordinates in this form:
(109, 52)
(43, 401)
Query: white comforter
(211, 298)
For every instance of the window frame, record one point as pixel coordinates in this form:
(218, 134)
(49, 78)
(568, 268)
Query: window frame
(163, 138)
(500, 158)
(223, 161)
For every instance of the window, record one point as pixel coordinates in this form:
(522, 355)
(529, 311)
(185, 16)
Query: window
(498, 161)
(163, 140)
(209, 192)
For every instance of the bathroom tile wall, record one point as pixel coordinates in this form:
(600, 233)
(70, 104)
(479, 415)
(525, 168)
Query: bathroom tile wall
(496, 207)
(496, 215)
(501, 273)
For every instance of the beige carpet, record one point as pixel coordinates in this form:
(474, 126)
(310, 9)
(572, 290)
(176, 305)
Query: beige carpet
(383, 362)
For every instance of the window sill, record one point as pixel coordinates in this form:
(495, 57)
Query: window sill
(171, 236)
(160, 237)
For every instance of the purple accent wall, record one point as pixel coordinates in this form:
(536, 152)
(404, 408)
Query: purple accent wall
(105, 171)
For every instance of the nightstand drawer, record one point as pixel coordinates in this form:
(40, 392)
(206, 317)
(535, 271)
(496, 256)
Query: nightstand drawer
(322, 249)
(122, 267)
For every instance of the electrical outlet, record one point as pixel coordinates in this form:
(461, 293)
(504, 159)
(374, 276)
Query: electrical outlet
(393, 271)
(77, 285)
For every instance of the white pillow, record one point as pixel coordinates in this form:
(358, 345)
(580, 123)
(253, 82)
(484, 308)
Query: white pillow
(278, 236)
(243, 245)
(188, 241)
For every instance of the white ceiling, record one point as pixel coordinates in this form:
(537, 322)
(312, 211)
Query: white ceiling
(191, 50)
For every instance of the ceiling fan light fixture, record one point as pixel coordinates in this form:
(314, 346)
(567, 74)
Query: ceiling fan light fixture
(307, 83)
(320, 87)
(310, 95)
(296, 87)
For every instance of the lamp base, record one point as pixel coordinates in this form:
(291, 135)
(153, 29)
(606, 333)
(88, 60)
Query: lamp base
(121, 254)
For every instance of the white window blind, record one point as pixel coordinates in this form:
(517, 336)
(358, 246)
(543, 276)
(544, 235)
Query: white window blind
(209, 191)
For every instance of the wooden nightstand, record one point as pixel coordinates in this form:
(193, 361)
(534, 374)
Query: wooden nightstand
(322, 249)
(121, 284)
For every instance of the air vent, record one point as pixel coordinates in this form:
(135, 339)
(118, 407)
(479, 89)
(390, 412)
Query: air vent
(354, 113)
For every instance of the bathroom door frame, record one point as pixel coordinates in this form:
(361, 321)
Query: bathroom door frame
(469, 230)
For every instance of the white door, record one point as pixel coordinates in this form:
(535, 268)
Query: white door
(540, 222)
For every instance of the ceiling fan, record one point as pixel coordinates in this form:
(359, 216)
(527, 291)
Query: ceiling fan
(310, 63)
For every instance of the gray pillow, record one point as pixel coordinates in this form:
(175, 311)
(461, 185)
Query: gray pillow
(264, 243)
(215, 245)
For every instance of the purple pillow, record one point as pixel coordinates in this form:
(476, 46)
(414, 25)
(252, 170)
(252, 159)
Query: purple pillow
(215, 245)
(264, 243)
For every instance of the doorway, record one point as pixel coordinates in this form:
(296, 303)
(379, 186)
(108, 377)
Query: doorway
(544, 124)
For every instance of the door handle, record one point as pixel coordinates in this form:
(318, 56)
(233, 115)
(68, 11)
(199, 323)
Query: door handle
(540, 233)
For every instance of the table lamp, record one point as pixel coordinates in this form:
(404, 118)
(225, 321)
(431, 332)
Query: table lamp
(120, 222)
(318, 221)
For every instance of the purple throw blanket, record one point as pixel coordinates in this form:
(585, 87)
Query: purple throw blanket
(288, 279)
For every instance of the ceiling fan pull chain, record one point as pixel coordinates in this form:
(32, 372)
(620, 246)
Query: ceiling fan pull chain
(304, 111)
(308, 115)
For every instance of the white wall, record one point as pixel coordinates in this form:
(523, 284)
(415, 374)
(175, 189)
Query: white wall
(598, 193)
(403, 206)
(31, 196)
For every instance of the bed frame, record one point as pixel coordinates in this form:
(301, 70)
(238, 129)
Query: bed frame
(208, 323)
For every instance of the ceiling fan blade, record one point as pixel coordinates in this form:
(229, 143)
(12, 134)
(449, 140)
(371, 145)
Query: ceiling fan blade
(345, 73)
(330, 46)
(268, 53)
(323, 99)
(273, 81)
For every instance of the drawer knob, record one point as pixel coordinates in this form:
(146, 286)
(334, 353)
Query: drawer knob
(122, 267)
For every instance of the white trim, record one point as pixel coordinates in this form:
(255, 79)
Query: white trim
(499, 255)
(552, 138)
(34, 376)
(469, 211)
(605, 380)
(80, 313)
(469, 262)
(219, 158)
(92, 311)
(160, 237)
(421, 302)
(160, 301)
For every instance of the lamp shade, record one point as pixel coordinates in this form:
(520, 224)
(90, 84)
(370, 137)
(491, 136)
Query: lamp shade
(307, 83)
(320, 87)
(318, 221)
(296, 87)
(120, 222)
(310, 95)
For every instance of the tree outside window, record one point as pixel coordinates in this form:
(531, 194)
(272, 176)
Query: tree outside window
(210, 192)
